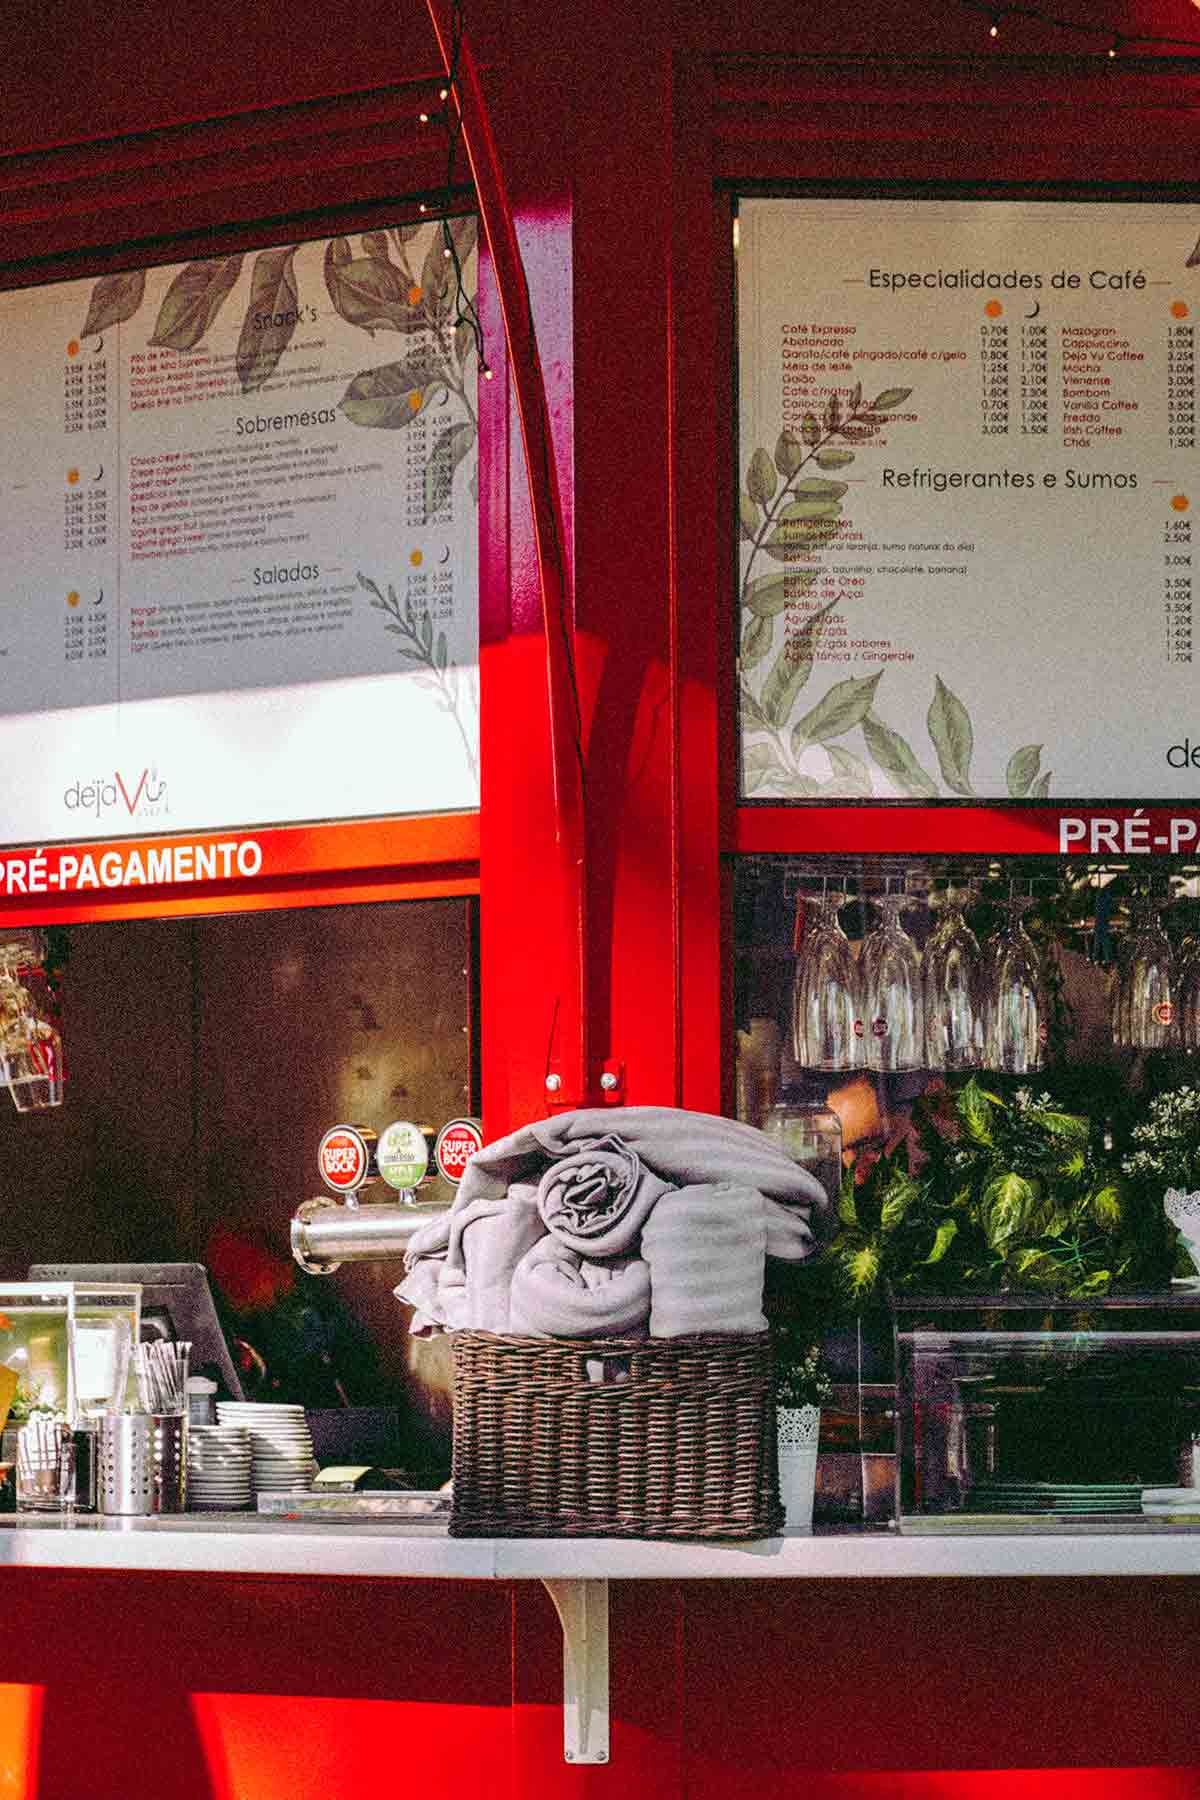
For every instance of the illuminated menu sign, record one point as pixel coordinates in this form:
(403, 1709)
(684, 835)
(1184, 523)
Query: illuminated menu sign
(968, 491)
(239, 539)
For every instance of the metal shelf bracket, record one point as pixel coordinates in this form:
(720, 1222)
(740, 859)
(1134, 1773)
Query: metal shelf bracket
(582, 1608)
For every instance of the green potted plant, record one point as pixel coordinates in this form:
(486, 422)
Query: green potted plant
(995, 1195)
(801, 1388)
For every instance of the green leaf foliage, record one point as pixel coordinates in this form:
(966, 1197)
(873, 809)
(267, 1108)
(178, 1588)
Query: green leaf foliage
(271, 316)
(895, 757)
(944, 1236)
(1004, 1207)
(833, 457)
(193, 300)
(789, 454)
(1022, 770)
(114, 299)
(950, 729)
(976, 1112)
(768, 596)
(369, 292)
(890, 398)
(761, 479)
(756, 640)
(791, 670)
(840, 710)
(393, 395)
(749, 517)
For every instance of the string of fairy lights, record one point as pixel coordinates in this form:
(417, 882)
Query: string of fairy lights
(450, 117)
(1002, 23)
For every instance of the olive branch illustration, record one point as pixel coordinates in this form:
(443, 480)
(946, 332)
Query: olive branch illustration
(414, 626)
(378, 289)
(793, 523)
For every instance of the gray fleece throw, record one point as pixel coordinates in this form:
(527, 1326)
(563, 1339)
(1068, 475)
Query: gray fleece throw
(599, 1172)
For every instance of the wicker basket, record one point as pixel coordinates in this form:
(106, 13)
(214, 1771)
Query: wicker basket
(638, 1438)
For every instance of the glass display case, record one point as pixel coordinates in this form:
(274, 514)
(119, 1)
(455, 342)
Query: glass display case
(1009, 1046)
(1017, 1410)
(61, 1339)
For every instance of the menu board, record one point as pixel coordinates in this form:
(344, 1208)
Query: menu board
(239, 539)
(968, 490)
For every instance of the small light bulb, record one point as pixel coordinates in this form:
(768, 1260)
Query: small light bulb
(488, 372)
(443, 93)
(423, 208)
(1114, 47)
(446, 252)
(994, 27)
(423, 118)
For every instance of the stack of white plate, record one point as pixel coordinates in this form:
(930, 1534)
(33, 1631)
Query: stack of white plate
(281, 1445)
(1179, 1504)
(218, 1467)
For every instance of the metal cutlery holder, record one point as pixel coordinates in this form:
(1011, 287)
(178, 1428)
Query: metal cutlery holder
(143, 1464)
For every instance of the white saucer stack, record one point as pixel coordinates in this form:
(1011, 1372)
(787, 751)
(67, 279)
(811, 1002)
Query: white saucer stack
(1178, 1504)
(281, 1447)
(218, 1468)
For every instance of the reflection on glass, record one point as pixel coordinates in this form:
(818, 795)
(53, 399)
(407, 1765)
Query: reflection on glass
(1144, 1003)
(893, 1007)
(951, 991)
(1188, 982)
(1015, 1009)
(826, 993)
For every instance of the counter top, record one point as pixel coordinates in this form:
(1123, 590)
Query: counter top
(243, 1544)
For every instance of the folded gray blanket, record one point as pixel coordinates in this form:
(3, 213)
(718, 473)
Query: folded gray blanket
(596, 1198)
(706, 1249)
(558, 1293)
(678, 1148)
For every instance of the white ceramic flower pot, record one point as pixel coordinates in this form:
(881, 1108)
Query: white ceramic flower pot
(799, 1430)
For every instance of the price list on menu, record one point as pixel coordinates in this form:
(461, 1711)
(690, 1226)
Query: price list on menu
(248, 473)
(967, 440)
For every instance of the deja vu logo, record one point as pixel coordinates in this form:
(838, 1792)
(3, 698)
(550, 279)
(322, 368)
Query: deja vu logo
(141, 796)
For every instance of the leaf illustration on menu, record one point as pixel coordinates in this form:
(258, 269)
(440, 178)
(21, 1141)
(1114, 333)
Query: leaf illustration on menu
(437, 275)
(808, 521)
(193, 300)
(791, 669)
(115, 298)
(1022, 770)
(761, 478)
(888, 399)
(769, 595)
(369, 292)
(894, 756)
(850, 769)
(759, 763)
(1194, 258)
(749, 517)
(1041, 789)
(753, 718)
(756, 641)
(950, 728)
(271, 317)
(375, 243)
(833, 458)
(845, 705)
(447, 453)
(789, 454)
(393, 395)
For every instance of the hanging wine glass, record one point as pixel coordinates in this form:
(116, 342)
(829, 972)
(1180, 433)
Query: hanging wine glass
(827, 1007)
(1188, 983)
(951, 990)
(893, 1006)
(1144, 1012)
(1016, 1007)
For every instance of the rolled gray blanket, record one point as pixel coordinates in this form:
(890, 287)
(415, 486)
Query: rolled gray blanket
(558, 1293)
(706, 1247)
(677, 1147)
(596, 1198)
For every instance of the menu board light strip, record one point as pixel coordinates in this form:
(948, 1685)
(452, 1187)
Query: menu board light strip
(151, 875)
